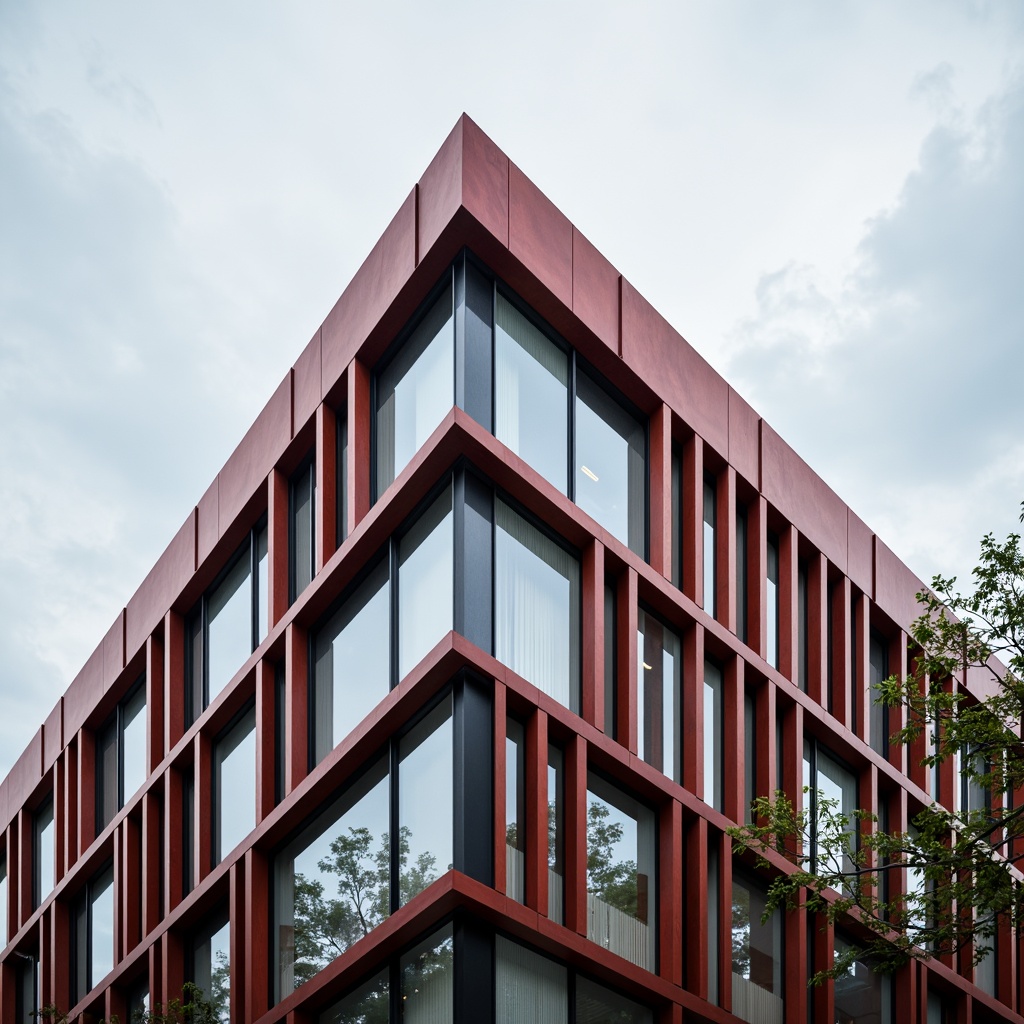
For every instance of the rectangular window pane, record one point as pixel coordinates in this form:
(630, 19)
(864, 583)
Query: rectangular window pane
(536, 607)
(133, 742)
(341, 479)
(878, 667)
(352, 659)
(515, 811)
(415, 391)
(3, 903)
(677, 519)
(862, 995)
(556, 835)
(235, 780)
(750, 754)
(531, 399)
(425, 587)
(712, 937)
(211, 965)
(44, 852)
(302, 500)
(838, 787)
(741, 574)
(230, 626)
(596, 1004)
(756, 957)
(713, 721)
(333, 881)
(425, 794)
(801, 620)
(101, 926)
(659, 659)
(368, 1004)
(621, 900)
(529, 988)
(710, 560)
(428, 980)
(610, 664)
(611, 474)
(772, 598)
(107, 801)
(263, 586)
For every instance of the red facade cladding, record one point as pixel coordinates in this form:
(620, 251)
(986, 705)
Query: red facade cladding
(750, 592)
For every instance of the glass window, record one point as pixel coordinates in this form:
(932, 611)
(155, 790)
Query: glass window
(234, 760)
(529, 988)
(26, 994)
(188, 809)
(862, 995)
(713, 735)
(94, 933)
(3, 902)
(659, 659)
(772, 598)
(121, 756)
(333, 881)
(714, 893)
(211, 964)
(596, 1004)
(351, 662)
(677, 518)
(710, 558)
(750, 754)
(801, 624)
(531, 399)
(341, 479)
(756, 956)
(515, 811)
(741, 573)
(428, 980)
(556, 834)
(610, 464)
(368, 1004)
(536, 607)
(138, 1001)
(302, 542)
(878, 668)
(985, 969)
(415, 391)
(425, 795)
(621, 900)
(610, 655)
(832, 792)
(43, 853)
(425, 587)
(229, 624)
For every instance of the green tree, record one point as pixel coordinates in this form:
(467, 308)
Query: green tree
(613, 880)
(946, 885)
(192, 1008)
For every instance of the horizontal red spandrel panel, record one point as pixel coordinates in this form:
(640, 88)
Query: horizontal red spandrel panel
(369, 295)
(896, 587)
(803, 497)
(306, 384)
(251, 462)
(113, 652)
(53, 734)
(26, 773)
(84, 693)
(685, 381)
(539, 235)
(860, 553)
(744, 439)
(173, 569)
(595, 291)
(208, 522)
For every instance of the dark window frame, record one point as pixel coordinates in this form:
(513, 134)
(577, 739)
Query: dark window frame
(305, 474)
(116, 724)
(82, 929)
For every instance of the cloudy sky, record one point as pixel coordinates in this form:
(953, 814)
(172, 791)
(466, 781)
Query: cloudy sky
(827, 200)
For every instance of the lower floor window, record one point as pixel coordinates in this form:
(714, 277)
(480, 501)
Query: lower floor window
(756, 956)
(862, 994)
(211, 964)
(94, 933)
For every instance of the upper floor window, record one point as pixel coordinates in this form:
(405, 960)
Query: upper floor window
(211, 963)
(229, 623)
(772, 604)
(234, 767)
(3, 902)
(621, 899)
(43, 852)
(714, 735)
(802, 627)
(658, 656)
(832, 802)
(878, 713)
(710, 556)
(94, 933)
(302, 530)
(515, 810)
(556, 834)
(121, 755)
(26, 992)
(415, 390)
(756, 955)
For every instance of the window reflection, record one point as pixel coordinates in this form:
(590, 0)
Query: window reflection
(536, 607)
(713, 735)
(368, 1004)
(230, 628)
(415, 391)
(211, 965)
(529, 988)
(42, 875)
(531, 404)
(556, 834)
(710, 559)
(425, 587)
(428, 980)
(657, 672)
(515, 811)
(772, 598)
(94, 933)
(832, 794)
(235, 780)
(351, 662)
(756, 956)
(862, 995)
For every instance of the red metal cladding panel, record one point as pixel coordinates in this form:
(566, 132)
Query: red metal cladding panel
(803, 497)
(367, 298)
(26, 771)
(440, 189)
(84, 693)
(208, 522)
(733, 777)
(306, 384)
(896, 587)
(357, 486)
(860, 553)
(113, 652)
(593, 629)
(326, 485)
(656, 352)
(53, 735)
(744, 439)
(251, 462)
(660, 487)
(595, 291)
(277, 530)
(539, 235)
(159, 589)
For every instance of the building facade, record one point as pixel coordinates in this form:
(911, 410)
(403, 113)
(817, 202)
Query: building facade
(438, 705)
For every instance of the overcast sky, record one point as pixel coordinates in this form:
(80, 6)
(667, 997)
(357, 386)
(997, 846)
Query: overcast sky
(827, 200)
